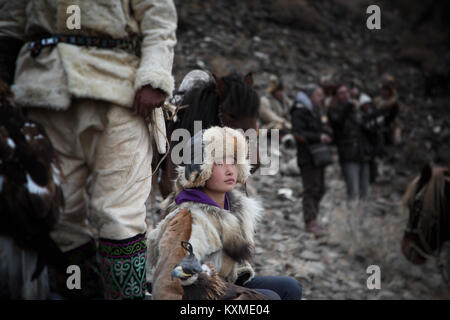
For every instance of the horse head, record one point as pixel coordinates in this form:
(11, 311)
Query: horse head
(428, 201)
(239, 105)
(228, 101)
(239, 101)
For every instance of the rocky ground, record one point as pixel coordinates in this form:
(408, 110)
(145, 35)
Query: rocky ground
(301, 41)
(334, 267)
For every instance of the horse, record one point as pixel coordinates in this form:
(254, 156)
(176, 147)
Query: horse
(427, 199)
(227, 101)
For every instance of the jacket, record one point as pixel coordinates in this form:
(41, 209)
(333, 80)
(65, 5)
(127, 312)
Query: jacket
(351, 133)
(220, 237)
(273, 113)
(306, 122)
(375, 126)
(64, 71)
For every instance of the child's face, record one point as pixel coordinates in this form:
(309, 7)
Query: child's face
(224, 175)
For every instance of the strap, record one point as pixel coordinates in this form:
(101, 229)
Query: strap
(78, 40)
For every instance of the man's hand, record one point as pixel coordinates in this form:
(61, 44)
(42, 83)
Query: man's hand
(287, 125)
(298, 138)
(146, 99)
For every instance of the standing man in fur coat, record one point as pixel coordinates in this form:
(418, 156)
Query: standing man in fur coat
(97, 89)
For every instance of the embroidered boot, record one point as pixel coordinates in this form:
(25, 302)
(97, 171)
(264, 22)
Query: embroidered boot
(85, 257)
(123, 267)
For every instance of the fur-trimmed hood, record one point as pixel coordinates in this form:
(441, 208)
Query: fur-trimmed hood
(220, 237)
(206, 147)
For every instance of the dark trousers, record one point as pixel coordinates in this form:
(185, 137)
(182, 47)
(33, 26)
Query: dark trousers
(313, 190)
(277, 287)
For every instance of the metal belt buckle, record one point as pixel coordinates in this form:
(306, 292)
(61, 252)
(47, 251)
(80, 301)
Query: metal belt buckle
(35, 48)
(49, 41)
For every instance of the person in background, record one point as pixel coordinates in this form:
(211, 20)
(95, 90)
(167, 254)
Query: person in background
(274, 107)
(356, 89)
(346, 120)
(307, 123)
(373, 121)
(329, 89)
(388, 103)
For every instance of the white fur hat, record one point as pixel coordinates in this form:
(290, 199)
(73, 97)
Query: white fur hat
(207, 146)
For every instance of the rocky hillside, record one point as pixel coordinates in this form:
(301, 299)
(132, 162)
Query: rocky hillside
(302, 40)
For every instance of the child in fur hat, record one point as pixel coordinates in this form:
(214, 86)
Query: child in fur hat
(218, 220)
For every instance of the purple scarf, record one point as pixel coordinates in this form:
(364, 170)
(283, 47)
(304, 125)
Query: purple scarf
(196, 195)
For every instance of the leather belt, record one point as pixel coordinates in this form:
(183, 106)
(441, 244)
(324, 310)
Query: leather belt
(128, 45)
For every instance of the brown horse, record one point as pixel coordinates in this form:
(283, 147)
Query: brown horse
(428, 201)
(227, 101)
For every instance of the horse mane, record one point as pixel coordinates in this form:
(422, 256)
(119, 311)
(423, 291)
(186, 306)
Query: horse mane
(411, 190)
(434, 193)
(203, 102)
(435, 196)
(435, 204)
(243, 101)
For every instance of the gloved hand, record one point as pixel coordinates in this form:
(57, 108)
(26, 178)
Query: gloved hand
(146, 99)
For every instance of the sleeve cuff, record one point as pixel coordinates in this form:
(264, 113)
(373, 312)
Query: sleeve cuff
(156, 78)
(244, 273)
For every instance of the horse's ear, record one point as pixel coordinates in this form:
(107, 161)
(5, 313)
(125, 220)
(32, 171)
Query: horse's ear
(221, 87)
(249, 79)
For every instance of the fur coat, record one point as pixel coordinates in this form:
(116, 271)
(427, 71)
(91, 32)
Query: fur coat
(59, 73)
(220, 237)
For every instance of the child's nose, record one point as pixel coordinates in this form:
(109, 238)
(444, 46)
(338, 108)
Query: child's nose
(228, 168)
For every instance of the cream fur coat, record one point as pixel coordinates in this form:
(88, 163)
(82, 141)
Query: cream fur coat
(222, 238)
(55, 76)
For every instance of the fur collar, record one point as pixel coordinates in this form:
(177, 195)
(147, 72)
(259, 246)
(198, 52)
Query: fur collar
(215, 229)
